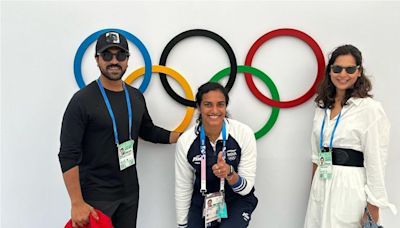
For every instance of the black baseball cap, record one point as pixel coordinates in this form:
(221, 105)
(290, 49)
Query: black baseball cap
(111, 39)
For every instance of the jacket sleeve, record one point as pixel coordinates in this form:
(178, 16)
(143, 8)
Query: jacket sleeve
(184, 178)
(248, 162)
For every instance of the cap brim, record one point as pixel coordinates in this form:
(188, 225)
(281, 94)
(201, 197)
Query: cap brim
(112, 45)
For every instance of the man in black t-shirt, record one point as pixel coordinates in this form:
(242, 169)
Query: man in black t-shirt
(101, 119)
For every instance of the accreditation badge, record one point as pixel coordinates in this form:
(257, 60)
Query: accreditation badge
(125, 154)
(325, 165)
(214, 207)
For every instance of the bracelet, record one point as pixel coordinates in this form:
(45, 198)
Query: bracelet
(231, 171)
(230, 174)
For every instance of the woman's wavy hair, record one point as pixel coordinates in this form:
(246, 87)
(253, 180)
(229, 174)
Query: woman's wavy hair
(205, 88)
(326, 90)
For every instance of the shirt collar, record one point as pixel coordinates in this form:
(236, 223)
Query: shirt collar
(354, 100)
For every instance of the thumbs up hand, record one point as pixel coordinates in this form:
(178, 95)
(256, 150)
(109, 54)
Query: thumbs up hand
(221, 169)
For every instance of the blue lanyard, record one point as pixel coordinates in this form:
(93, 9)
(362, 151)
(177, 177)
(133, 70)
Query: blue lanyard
(203, 188)
(333, 131)
(128, 103)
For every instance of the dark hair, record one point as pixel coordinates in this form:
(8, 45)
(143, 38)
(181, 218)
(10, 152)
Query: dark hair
(326, 90)
(207, 87)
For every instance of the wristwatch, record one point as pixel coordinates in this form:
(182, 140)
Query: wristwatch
(231, 171)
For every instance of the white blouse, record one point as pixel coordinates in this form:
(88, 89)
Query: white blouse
(363, 126)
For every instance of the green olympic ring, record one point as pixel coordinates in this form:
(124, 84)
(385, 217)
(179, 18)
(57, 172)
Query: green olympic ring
(268, 82)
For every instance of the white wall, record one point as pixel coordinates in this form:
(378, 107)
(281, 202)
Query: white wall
(1, 121)
(38, 45)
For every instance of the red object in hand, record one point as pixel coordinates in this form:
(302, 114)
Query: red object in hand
(103, 222)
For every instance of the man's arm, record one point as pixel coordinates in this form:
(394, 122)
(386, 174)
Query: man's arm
(72, 130)
(148, 130)
(80, 210)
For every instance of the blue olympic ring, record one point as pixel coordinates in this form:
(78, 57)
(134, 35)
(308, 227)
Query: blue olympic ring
(92, 38)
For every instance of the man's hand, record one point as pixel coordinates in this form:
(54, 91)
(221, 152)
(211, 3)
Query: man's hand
(173, 136)
(80, 213)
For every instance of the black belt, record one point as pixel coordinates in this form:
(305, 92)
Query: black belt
(347, 157)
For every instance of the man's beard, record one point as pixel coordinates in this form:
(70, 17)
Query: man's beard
(110, 76)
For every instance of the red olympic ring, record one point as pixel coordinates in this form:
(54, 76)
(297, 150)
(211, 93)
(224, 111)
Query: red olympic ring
(285, 32)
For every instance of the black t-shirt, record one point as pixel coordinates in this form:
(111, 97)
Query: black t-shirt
(87, 140)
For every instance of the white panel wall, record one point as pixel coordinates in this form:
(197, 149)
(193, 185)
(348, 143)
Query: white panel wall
(38, 44)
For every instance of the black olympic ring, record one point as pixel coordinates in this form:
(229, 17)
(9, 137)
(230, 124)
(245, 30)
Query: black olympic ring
(190, 33)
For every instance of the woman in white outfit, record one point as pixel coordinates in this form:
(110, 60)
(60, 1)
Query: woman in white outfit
(351, 134)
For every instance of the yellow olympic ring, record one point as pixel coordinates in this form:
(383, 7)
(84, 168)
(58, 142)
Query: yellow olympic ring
(180, 79)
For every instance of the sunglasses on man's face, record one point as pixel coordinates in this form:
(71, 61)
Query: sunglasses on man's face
(338, 69)
(108, 56)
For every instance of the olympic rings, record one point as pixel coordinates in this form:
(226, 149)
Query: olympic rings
(190, 33)
(180, 79)
(268, 82)
(286, 32)
(92, 38)
(247, 69)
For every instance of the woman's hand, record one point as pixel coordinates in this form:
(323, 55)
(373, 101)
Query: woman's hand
(221, 169)
(374, 211)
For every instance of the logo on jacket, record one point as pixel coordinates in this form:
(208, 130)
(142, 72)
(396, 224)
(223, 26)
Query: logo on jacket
(231, 154)
(246, 216)
(197, 159)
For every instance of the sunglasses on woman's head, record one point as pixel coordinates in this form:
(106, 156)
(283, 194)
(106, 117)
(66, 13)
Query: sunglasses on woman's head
(338, 69)
(108, 56)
